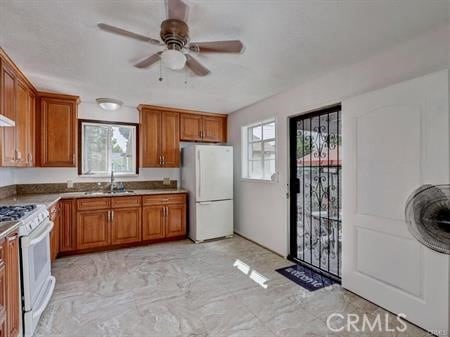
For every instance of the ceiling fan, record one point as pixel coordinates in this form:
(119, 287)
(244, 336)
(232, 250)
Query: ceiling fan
(175, 37)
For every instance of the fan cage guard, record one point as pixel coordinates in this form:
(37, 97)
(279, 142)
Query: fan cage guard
(427, 214)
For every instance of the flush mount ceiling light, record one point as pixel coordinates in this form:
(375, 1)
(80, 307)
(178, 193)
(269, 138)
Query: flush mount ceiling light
(109, 104)
(173, 59)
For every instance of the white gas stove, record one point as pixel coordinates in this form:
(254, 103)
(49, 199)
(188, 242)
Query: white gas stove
(37, 282)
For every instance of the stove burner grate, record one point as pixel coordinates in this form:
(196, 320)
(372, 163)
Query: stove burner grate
(11, 213)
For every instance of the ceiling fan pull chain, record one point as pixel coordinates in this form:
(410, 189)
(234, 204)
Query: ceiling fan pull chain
(160, 71)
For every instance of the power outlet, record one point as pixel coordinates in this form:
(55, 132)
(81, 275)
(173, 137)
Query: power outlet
(166, 181)
(69, 184)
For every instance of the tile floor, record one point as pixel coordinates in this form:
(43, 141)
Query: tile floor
(184, 289)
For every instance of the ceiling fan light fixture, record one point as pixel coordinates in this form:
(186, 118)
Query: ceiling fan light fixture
(109, 104)
(173, 59)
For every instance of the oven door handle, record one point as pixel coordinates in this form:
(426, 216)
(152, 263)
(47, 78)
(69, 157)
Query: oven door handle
(41, 236)
(45, 301)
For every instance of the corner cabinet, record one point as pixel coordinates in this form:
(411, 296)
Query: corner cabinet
(58, 130)
(159, 137)
(17, 102)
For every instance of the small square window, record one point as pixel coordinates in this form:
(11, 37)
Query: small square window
(108, 147)
(259, 150)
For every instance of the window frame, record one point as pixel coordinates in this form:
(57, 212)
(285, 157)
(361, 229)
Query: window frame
(245, 145)
(105, 123)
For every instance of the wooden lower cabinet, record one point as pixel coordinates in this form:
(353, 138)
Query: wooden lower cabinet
(2, 288)
(125, 225)
(93, 229)
(67, 226)
(175, 220)
(12, 285)
(55, 216)
(100, 223)
(153, 227)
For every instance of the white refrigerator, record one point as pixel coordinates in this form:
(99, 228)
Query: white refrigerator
(207, 174)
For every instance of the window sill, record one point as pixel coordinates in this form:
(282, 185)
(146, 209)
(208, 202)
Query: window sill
(131, 175)
(263, 181)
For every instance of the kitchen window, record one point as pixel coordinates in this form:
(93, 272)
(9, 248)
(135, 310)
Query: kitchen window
(259, 151)
(108, 146)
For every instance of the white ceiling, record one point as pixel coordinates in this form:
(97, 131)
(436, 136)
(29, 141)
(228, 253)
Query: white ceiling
(58, 45)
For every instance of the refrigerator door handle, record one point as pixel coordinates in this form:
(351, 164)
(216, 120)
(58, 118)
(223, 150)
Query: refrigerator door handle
(199, 176)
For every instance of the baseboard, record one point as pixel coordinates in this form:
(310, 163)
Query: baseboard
(259, 244)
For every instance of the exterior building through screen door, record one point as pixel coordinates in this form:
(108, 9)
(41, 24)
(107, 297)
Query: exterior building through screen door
(315, 191)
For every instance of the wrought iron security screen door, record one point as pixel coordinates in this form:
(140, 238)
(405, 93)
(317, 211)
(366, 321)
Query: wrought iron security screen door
(315, 186)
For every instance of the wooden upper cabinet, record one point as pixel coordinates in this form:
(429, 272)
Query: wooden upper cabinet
(214, 129)
(8, 109)
(58, 131)
(203, 127)
(170, 142)
(190, 127)
(159, 137)
(22, 128)
(150, 136)
(17, 102)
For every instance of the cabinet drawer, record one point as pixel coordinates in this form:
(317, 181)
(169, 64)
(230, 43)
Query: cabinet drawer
(165, 199)
(120, 202)
(93, 203)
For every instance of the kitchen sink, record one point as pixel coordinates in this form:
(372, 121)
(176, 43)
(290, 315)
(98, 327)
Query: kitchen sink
(108, 192)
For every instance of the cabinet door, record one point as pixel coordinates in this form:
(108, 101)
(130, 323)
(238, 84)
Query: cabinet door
(190, 127)
(93, 229)
(67, 229)
(170, 141)
(152, 223)
(214, 129)
(2, 280)
(125, 225)
(150, 137)
(30, 129)
(22, 115)
(12, 285)
(8, 109)
(54, 235)
(58, 132)
(175, 220)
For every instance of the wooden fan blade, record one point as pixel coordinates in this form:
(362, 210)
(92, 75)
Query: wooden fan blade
(231, 46)
(123, 32)
(147, 62)
(196, 66)
(177, 9)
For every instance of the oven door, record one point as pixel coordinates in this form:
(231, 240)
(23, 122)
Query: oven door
(35, 262)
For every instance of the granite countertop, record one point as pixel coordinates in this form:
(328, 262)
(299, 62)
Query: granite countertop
(7, 228)
(50, 199)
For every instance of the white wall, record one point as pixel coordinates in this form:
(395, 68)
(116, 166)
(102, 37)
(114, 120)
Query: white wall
(89, 110)
(261, 209)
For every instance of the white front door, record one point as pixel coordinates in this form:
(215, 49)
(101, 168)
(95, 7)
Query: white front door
(395, 140)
